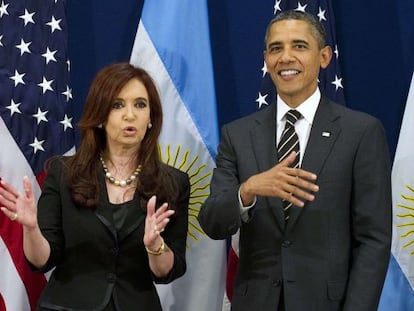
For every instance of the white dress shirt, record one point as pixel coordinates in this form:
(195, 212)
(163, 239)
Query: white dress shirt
(303, 125)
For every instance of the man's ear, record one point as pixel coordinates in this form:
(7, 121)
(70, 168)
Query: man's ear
(325, 56)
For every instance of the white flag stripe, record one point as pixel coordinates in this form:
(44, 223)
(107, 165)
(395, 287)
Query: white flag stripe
(13, 167)
(403, 177)
(11, 286)
(13, 164)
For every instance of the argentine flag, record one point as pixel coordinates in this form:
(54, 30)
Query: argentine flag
(173, 45)
(398, 292)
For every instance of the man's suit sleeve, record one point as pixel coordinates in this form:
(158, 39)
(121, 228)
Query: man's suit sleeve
(371, 220)
(219, 216)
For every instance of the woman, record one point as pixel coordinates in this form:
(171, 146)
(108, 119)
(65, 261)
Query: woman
(98, 220)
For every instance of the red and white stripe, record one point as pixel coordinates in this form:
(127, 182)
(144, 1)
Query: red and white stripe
(19, 287)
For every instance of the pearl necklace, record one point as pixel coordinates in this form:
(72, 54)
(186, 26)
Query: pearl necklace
(121, 182)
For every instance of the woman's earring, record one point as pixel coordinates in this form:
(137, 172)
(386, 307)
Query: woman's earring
(99, 126)
(149, 125)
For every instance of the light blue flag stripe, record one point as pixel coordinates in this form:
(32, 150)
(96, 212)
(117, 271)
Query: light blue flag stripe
(397, 294)
(187, 58)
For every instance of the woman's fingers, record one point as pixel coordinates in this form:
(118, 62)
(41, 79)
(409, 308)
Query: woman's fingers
(12, 215)
(27, 188)
(7, 192)
(158, 219)
(151, 206)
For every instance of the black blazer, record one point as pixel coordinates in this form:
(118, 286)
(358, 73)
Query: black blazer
(92, 260)
(333, 253)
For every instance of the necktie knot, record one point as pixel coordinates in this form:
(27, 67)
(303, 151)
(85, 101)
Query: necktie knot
(289, 141)
(292, 116)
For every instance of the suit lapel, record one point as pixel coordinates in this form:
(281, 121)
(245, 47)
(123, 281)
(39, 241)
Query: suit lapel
(263, 137)
(134, 217)
(103, 211)
(325, 130)
(263, 141)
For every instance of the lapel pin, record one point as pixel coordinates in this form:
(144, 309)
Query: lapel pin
(326, 134)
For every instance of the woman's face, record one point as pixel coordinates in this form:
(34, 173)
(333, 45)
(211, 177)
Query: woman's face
(129, 117)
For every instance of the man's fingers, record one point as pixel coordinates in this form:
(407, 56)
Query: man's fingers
(304, 184)
(294, 200)
(301, 194)
(289, 159)
(283, 167)
(297, 196)
(300, 188)
(298, 172)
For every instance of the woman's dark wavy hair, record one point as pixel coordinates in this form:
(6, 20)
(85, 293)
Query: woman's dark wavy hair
(84, 168)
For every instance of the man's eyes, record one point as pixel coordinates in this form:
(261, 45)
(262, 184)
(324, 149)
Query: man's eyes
(274, 49)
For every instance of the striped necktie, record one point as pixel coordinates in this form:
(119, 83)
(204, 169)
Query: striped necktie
(289, 141)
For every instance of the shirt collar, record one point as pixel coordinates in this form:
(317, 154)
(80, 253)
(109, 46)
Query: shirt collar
(307, 108)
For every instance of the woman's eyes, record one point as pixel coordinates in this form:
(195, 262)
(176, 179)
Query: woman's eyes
(141, 104)
(138, 104)
(117, 105)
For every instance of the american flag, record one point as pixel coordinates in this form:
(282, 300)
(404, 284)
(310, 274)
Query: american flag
(330, 84)
(35, 122)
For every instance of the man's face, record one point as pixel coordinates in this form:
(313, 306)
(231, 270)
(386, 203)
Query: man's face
(293, 59)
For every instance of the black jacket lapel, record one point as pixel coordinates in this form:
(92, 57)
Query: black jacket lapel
(103, 211)
(263, 138)
(325, 130)
(134, 218)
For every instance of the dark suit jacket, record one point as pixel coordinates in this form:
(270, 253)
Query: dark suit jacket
(93, 262)
(333, 253)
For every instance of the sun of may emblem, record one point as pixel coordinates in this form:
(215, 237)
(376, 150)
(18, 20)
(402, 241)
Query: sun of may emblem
(199, 174)
(407, 217)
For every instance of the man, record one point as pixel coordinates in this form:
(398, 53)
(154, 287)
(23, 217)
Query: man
(311, 238)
